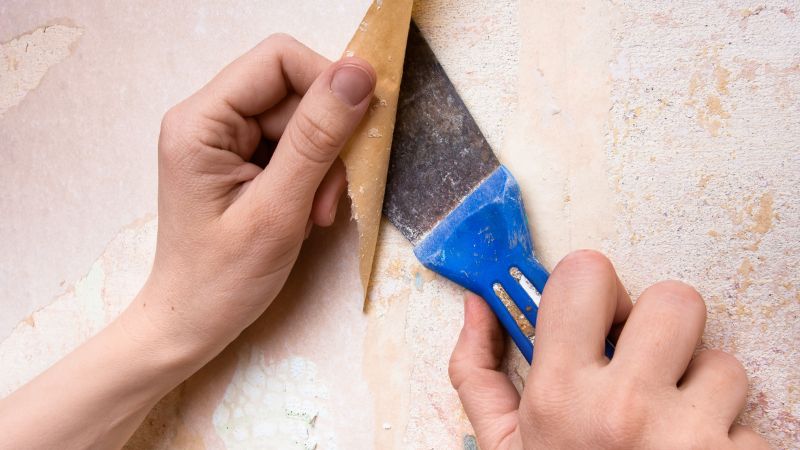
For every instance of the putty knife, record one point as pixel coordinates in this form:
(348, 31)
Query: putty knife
(460, 208)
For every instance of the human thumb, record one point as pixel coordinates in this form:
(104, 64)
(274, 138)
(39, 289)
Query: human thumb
(323, 122)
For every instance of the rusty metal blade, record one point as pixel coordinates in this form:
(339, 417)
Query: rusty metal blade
(439, 154)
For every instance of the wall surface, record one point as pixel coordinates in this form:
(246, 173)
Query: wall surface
(664, 133)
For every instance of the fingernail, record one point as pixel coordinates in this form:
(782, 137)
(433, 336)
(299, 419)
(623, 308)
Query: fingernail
(351, 84)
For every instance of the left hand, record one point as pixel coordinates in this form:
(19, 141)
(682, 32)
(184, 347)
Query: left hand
(230, 231)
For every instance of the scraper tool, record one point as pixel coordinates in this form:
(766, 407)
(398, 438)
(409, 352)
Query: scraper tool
(460, 208)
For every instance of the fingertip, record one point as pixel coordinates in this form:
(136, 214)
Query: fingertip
(585, 270)
(353, 80)
(581, 301)
(480, 342)
(472, 297)
(581, 265)
(363, 64)
(727, 369)
(487, 394)
(471, 303)
(678, 296)
(477, 313)
(662, 332)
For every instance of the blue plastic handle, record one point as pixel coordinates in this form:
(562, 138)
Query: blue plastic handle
(484, 245)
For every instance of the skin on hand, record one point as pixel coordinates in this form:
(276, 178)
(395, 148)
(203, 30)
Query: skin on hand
(229, 232)
(652, 394)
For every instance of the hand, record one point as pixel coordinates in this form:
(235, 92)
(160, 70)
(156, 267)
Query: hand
(652, 394)
(228, 235)
(230, 232)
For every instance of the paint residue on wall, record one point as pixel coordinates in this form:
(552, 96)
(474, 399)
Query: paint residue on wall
(273, 404)
(762, 218)
(82, 310)
(24, 60)
(704, 166)
(556, 142)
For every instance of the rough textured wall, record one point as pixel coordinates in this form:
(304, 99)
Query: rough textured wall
(662, 132)
(704, 152)
(665, 133)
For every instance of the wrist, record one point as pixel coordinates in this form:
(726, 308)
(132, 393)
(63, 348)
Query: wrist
(163, 336)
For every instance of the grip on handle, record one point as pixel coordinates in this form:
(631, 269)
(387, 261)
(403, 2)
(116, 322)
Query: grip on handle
(484, 245)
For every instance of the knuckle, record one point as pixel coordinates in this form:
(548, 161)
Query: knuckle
(279, 39)
(454, 372)
(184, 136)
(262, 220)
(261, 235)
(171, 119)
(726, 367)
(549, 398)
(456, 367)
(552, 402)
(270, 49)
(174, 141)
(587, 261)
(679, 294)
(624, 417)
(313, 139)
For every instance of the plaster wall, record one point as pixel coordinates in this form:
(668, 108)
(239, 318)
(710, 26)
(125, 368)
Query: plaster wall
(664, 133)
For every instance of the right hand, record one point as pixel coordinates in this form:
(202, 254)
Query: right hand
(652, 394)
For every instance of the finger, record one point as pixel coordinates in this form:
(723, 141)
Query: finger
(716, 381)
(580, 302)
(662, 332)
(623, 311)
(319, 128)
(746, 439)
(262, 77)
(330, 190)
(488, 396)
(273, 122)
(220, 115)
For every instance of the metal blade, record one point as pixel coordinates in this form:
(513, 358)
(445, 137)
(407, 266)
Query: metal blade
(439, 154)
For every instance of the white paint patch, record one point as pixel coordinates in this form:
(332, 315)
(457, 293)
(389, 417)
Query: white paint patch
(526, 285)
(25, 60)
(275, 405)
(82, 310)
